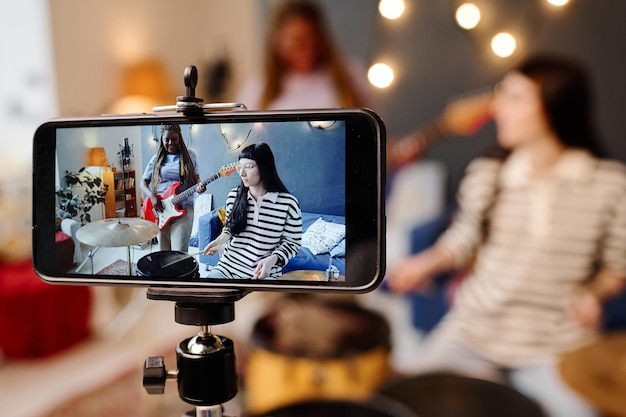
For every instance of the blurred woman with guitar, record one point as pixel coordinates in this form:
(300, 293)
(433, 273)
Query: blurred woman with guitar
(173, 164)
(542, 234)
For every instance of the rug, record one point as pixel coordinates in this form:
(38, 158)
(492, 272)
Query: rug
(119, 267)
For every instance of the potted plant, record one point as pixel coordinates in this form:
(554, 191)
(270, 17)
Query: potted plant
(72, 204)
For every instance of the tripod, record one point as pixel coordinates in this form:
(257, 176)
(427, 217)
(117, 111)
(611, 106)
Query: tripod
(206, 374)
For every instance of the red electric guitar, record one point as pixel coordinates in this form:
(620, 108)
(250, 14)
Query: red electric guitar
(170, 199)
(462, 116)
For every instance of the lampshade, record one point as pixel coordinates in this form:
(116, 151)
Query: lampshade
(97, 157)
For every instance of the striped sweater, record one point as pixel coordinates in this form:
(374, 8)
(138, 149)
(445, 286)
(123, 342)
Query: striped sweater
(543, 240)
(274, 228)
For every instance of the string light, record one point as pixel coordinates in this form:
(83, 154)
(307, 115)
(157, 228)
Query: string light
(503, 44)
(322, 124)
(468, 16)
(391, 9)
(380, 75)
(558, 3)
(235, 134)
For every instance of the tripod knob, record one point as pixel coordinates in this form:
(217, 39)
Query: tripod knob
(154, 375)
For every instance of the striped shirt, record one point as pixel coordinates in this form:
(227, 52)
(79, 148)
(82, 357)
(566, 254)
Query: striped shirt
(274, 228)
(544, 239)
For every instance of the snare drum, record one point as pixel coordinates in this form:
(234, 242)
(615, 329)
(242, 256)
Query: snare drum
(168, 264)
(304, 350)
(375, 407)
(452, 395)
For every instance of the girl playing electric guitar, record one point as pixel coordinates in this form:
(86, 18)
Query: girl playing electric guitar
(172, 163)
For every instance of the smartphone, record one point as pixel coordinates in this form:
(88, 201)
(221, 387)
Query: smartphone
(93, 222)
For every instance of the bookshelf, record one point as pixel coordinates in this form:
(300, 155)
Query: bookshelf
(121, 199)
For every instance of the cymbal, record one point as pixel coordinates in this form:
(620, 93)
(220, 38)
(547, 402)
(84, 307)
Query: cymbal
(117, 232)
(598, 372)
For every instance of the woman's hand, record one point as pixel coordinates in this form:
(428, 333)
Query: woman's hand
(585, 309)
(415, 273)
(216, 244)
(200, 188)
(586, 304)
(156, 202)
(264, 268)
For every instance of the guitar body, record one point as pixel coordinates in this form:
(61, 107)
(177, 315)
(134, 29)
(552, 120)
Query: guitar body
(170, 199)
(170, 210)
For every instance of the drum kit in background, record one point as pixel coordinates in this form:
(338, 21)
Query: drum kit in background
(597, 371)
(310, 356)
(126, 232)
(307, 348)
(323, 356)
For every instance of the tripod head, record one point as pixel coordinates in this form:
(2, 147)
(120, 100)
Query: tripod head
(206, 374)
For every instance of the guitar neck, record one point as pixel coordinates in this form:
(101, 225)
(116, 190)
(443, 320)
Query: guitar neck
(462, 116)
(191, 190)
(413, 146)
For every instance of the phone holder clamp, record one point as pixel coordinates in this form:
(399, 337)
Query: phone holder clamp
(190, 105)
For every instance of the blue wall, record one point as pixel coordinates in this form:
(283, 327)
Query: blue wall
(311, 162)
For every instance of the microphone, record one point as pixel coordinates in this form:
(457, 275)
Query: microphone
(126, 152)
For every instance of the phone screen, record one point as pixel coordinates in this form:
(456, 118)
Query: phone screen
(287, 200)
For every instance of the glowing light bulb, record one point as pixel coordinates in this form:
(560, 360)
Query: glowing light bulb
(503, 44)
(558, 2)
(380, 75)
(391, 9)
(468, 16)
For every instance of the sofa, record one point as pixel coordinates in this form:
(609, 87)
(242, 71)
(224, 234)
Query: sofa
(209, 226)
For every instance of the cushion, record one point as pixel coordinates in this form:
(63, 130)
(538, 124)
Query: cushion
(64, 246)
(322, 236)
(210, 226)
(339, 250)
(309, 218)
(306, 260)
(202, 205)
(38, 319)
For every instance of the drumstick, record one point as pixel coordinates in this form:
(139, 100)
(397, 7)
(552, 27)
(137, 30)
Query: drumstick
(182, 257)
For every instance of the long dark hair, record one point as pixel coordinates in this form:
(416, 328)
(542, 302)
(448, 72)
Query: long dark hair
(566, 98)
(261, 153)
(274, 68)
(187, 168)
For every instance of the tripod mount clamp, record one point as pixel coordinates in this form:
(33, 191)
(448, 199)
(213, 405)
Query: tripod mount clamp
(190, 105)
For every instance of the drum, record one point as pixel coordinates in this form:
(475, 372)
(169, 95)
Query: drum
(168, 264)
(376, 407)
(305, 349)
(450, 395)
(597, 371)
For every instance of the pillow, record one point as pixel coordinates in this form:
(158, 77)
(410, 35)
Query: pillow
(322, 236)
(339, 250)
(309, 218)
